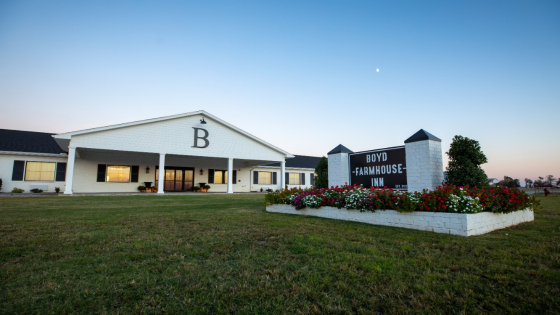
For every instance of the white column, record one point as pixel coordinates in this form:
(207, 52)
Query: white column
(70, 170)
(161, 175)
(230, 176)
(283, 174)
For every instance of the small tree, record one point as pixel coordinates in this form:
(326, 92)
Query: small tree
(550, 179)
(322, 171)
(465, 158)
(509, 182)
(528, 183)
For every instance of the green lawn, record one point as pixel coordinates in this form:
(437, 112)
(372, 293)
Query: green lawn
(225, 254)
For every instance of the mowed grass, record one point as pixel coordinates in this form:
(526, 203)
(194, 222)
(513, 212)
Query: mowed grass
(225, 254)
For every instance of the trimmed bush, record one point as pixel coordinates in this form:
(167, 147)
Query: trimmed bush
(17, 190)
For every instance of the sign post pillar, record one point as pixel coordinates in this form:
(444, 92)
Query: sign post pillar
(338, 166)
(424, 161)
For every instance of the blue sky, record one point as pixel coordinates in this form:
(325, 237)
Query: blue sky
(298, 74)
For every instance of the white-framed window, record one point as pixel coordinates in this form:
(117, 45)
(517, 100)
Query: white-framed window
(40, 171)
(294, 179)
(220, 177)
(118, 174)
(265, 178)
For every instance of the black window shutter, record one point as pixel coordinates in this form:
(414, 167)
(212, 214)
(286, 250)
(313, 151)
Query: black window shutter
(211, 176)
(234, 177)
(302, 178)
(255, 177)
(60, 172)
(287, 179)
(274, 180)
(101, 170)
(134, 173)
(312, 179)
(17, 173)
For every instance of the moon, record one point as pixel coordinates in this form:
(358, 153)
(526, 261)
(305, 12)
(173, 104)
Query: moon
(377, 69)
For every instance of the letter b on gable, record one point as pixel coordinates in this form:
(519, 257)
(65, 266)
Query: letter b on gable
(203, 138)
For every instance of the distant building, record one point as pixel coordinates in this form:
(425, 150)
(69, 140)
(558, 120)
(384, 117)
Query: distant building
(493, 181)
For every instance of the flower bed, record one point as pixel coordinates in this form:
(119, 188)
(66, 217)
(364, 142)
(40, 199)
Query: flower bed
(448, 209)
(447, 198)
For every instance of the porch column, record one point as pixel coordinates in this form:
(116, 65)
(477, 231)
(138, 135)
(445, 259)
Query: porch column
(161, 175)
(230, 176)
(70, 170)
(283, 174)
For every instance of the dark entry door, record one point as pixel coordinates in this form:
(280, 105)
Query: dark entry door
(177, 178)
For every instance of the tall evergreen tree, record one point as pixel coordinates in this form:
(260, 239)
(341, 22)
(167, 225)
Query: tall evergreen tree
(322, 171)
(465, 158)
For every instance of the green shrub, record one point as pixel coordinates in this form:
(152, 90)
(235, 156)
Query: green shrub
(322, 171)
(196, 188)
(465, 158)
(36, 190)
(140, 188)
(206, 186)
(17, 190)
(57, 189)
(0, 183)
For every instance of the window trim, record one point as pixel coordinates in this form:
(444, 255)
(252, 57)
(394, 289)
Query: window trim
(259, 178)
(39, 180)
(129, 174)
(224, 177)
(299, 177)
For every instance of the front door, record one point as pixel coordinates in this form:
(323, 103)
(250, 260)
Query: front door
(177, 178)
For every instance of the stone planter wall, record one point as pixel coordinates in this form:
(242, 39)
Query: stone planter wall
(439, 222)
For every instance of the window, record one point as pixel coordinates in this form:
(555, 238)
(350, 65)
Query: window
(265, 178)
(43, 171)
(221, 176)
(118, 174)
(294, 179)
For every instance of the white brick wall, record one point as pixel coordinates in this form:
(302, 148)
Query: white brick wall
(338, 169)
(424, 165)
(438, 222)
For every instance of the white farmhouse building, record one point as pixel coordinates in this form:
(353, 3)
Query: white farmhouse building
(191, 148)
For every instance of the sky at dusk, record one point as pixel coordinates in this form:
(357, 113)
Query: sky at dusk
(298, 74)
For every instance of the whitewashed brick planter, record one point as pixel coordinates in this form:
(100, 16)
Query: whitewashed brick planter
(439, 222)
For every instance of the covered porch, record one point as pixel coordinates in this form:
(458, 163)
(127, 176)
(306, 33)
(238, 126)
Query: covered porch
(101, 171)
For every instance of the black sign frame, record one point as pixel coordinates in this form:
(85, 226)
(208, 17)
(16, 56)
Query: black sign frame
(379, 168)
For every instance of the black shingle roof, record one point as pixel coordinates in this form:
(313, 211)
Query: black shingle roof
(28, 141)
(422, 135)
(300, 161)
(339, 149)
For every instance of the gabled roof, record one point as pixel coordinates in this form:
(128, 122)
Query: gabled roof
(68, 135)
(422, 135)
(28, 142)
(299, 161)
(340, 149)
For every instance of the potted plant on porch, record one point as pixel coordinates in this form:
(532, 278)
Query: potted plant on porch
(206, 187)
